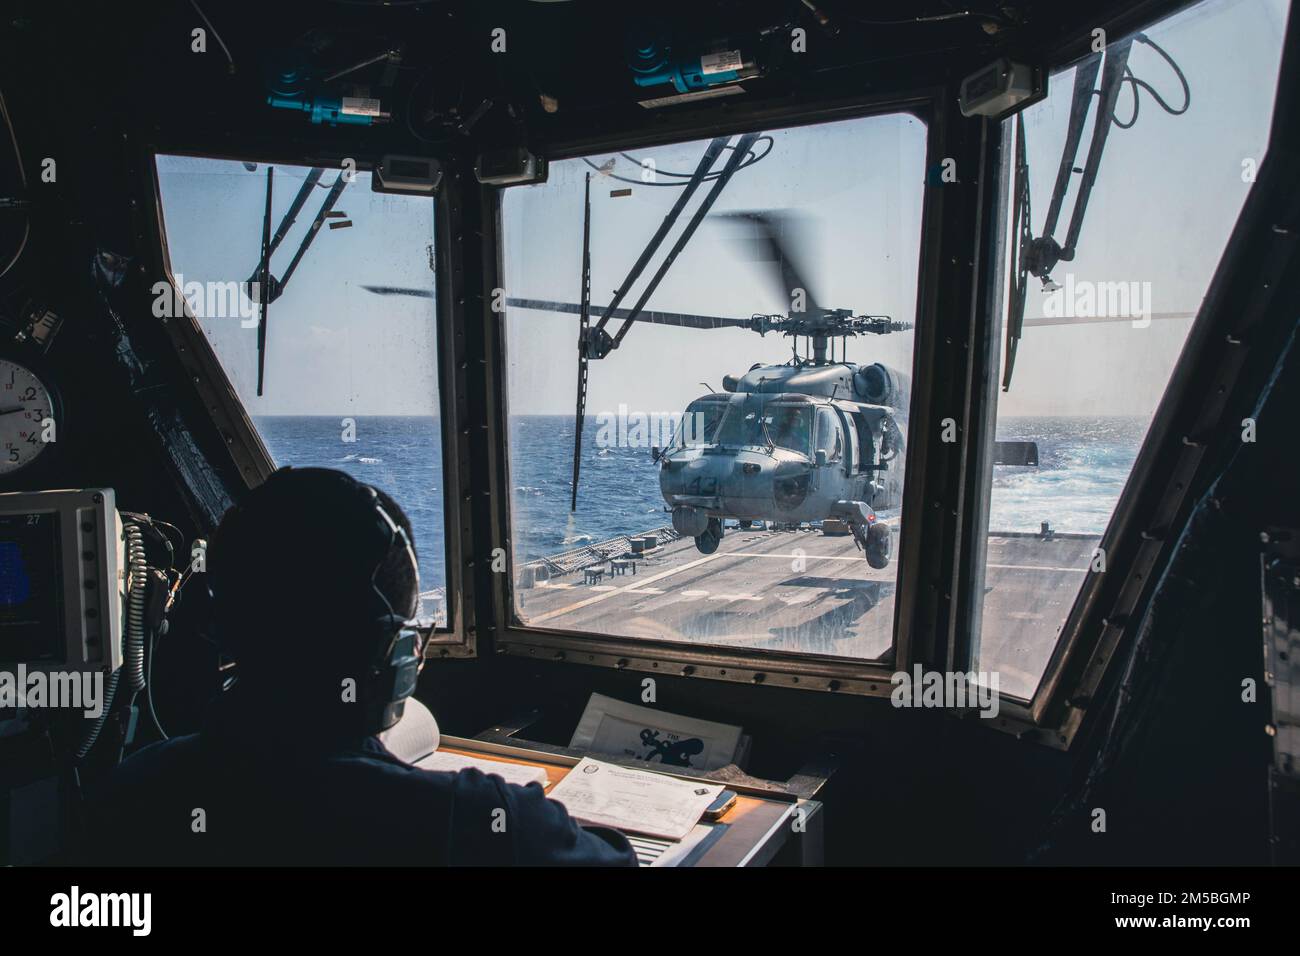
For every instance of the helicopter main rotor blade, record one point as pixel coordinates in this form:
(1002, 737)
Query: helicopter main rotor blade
(777, 238)
(716, 322)
(680, 319)
(399, 290)
(1090, 320)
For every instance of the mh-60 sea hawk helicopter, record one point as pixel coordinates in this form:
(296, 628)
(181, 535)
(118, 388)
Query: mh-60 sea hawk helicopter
(810, 440)
(806, 441)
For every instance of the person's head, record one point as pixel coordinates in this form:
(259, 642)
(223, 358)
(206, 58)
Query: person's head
(310, 575)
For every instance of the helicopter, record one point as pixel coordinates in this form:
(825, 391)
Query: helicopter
(806, 441)
(809, 440)
(780, 445)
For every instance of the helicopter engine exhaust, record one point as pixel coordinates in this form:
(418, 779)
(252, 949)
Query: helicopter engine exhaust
(879, 384)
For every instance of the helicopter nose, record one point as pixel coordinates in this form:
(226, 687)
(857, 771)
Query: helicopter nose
(699, 477)
(756, 480)
(740, 484)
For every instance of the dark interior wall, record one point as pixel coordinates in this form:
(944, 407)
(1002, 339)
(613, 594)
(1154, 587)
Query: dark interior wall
(1181, 774)
(128, 421)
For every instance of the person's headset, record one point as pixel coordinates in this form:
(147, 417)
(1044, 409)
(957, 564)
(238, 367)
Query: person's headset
(364, 535)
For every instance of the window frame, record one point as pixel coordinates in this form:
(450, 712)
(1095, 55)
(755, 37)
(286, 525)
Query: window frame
(937, 322)
(1170, 466)
(218, 398)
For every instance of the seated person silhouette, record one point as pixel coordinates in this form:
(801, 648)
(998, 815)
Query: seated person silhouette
(312, 577)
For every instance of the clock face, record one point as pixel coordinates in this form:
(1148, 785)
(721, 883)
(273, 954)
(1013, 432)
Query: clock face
(26, 417)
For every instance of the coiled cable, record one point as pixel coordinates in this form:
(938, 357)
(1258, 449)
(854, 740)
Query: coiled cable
(138, 573)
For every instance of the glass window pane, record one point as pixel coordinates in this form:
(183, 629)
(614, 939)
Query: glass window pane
(1102, 336)
(350, 378)
(695, 427)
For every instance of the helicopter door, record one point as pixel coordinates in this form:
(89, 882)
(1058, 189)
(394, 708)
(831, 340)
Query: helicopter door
(851, 465)
(830, 438)
(866, 444)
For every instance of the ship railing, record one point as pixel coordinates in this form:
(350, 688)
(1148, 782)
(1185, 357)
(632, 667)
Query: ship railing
(591, 555)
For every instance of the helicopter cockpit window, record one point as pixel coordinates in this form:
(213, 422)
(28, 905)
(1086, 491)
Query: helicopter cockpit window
(759, 423)
(699, 423)
(736, 266)
(1107, 295)
(343, 371)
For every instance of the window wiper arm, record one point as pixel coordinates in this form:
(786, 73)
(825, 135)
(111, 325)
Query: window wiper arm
(264, 280)
(326, 208)
(1039, 256)
(289, 218)
(771, 445)
(271, 288)
(1044, 252)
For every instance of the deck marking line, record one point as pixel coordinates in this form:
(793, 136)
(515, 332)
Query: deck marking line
(859, 558)
(642, 583)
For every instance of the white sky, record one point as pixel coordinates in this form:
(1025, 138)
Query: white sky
(332, 347)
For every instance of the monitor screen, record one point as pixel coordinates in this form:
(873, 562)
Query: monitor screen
(31, 591)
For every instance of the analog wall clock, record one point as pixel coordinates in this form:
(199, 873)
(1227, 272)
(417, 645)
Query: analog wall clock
(28, 423)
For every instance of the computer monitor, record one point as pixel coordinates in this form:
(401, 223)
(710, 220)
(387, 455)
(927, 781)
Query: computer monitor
(62, 580)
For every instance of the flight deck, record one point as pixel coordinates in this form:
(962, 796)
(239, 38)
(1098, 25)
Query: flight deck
(797, 590)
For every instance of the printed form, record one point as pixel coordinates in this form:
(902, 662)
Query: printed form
(634, 800)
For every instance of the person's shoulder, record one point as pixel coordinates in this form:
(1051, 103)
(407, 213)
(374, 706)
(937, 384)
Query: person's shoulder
(145, 792)
(154, 759)
(465, 785)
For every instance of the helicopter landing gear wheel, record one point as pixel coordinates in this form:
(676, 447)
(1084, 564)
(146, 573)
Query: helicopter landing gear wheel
(708, 542)
(877, 548)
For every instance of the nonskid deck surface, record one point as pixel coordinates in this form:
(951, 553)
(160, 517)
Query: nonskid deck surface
(807, 591)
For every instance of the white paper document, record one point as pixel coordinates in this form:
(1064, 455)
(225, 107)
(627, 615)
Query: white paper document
(610, 726)
(634, 800)
(509, 772)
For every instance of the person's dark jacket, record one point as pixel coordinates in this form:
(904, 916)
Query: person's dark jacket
(238, 794)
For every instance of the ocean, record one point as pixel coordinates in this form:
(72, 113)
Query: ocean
(1083, 465)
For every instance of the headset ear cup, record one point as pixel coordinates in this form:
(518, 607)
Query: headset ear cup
(394, 678)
